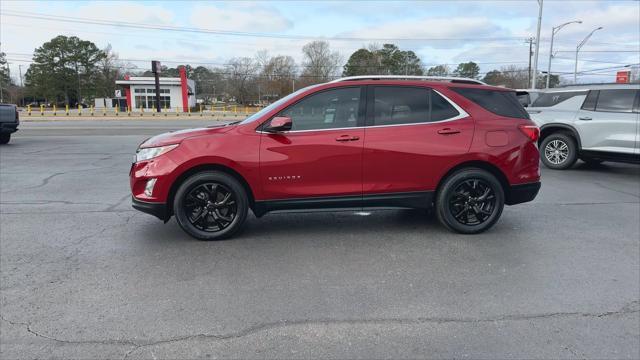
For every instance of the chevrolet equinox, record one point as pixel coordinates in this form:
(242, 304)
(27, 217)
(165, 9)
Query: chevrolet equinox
(456, 145)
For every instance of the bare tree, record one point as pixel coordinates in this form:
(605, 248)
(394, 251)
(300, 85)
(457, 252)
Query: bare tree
(242, 73)
(515, 77)
(279, 72)
(320, 63)
(109, 72)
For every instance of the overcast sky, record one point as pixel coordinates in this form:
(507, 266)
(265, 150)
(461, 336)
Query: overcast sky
(491, 33)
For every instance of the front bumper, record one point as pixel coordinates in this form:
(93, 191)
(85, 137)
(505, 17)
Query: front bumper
(517, 194)
(158, 210)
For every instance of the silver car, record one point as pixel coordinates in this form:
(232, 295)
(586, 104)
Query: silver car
(592, 123)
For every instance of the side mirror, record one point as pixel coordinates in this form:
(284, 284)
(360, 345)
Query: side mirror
(279, 124)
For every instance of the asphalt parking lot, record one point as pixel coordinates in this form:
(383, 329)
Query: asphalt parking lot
(83, 275)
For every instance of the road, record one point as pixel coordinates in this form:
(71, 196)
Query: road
(83, 275)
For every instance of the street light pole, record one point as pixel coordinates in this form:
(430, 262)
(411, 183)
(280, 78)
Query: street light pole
(554, 31)
(580, 45)
(535, 59)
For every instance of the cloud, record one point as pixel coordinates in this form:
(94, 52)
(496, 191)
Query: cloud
(247, 17)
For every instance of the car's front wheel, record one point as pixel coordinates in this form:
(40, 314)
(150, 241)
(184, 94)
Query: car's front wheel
(4, 138)
(211, 205)
(470, 201)
(559, 151)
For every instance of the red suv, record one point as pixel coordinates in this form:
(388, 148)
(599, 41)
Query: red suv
(458, 145)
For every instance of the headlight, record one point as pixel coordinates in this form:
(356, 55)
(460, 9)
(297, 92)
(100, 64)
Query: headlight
(150, 153)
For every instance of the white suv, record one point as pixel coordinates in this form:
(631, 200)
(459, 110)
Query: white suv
(593, 123)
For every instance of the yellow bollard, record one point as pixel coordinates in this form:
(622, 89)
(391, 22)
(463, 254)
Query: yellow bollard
(189, 110)
(29, 109)
(91, 109)
(79, 110)
(54, 109)
(235, 110)
(141, 110)
(117, 108)
(41, 110)
(66, 109)
(128, 111)
(177, 111)
(200, 109)
(165, 109)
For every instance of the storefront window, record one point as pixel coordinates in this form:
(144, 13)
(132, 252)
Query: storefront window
(148, 100)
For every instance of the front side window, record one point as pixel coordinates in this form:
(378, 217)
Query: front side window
(335, 108)
(616, 100)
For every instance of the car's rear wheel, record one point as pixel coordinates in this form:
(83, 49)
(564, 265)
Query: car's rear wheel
(559, 151)
(4, 138)
(470, 201)
(211, 205)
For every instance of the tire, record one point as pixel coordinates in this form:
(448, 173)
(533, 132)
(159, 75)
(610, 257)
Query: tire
(211, 205)
(558, 151)
(4, 138)
(460, 206)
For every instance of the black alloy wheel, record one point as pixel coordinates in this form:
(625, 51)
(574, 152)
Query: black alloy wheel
(211, 205)
(472, 202)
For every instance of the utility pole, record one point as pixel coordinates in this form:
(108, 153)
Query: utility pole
(580, 45)
(156, 68)
(79, 93)
(530, 41)
(555, 30)
(21, 86)
(535, 59)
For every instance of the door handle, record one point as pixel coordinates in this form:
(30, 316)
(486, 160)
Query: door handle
(448, 131)
(347, 138)
(585, 118)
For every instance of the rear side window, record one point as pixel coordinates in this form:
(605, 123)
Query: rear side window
(591, 100)
(555, 98)
(441, 109)
(394, 105)
(503, 103)
(400, 105)
(616, 100)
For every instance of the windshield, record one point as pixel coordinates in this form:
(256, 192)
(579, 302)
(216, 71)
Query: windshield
(274, 105)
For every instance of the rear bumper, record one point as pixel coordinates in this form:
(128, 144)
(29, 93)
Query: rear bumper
(158, 210)
(522, 193)
(8, 127)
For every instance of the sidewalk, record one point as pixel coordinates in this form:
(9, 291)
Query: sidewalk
(37, 117)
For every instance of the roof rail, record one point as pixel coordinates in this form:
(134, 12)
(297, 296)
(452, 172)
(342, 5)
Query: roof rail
(452, 79)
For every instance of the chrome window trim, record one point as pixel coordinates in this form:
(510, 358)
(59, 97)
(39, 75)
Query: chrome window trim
(461, 115)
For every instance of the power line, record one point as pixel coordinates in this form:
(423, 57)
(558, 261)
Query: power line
(198, 62)
(143, 26)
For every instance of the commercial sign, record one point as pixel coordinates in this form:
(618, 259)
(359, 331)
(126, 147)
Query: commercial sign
(623, 77)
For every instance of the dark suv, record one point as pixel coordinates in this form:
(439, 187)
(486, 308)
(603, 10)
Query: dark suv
(353, 143)
(9, 121)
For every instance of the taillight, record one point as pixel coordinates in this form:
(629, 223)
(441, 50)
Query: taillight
(531, 131)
